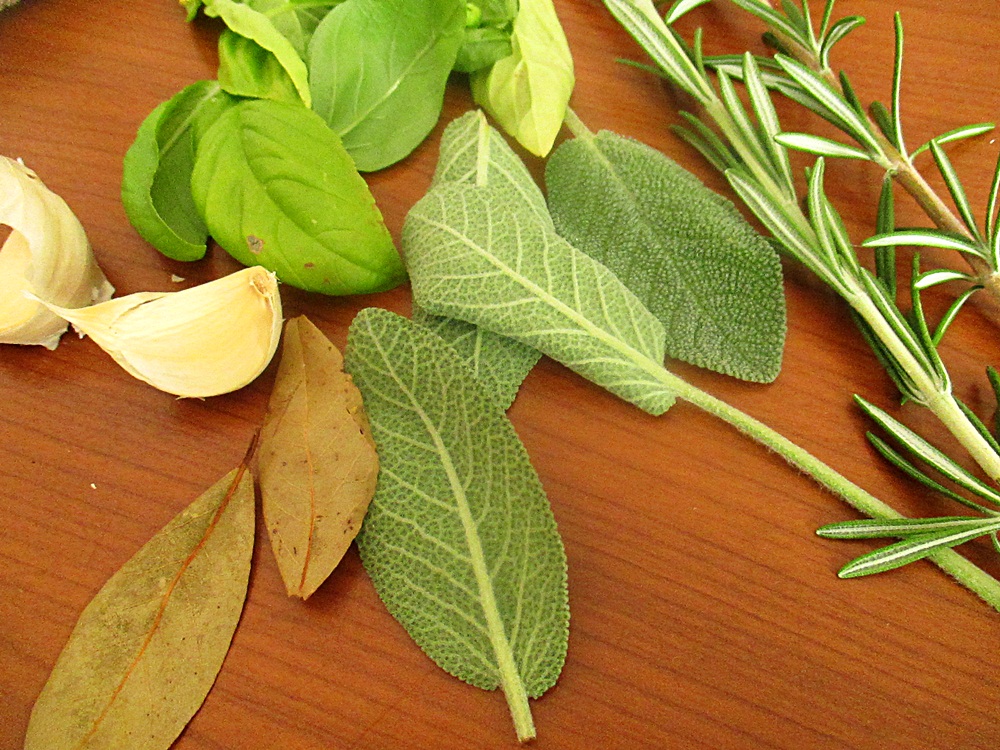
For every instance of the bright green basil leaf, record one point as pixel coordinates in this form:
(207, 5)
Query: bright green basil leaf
(481, 47)
(295, 19)
(459, 539)
(156, 172)
(277, 189)
(501, 363)
(713, 282)
(378, 70)
(247, 69)
(253, 24)
(528, 92)
(474, 255)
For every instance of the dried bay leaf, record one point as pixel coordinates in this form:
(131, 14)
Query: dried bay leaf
(147, 649)
(686, 252)
(317, 463)
(460, 541)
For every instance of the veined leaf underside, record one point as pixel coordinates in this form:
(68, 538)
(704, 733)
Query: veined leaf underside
(475, 257)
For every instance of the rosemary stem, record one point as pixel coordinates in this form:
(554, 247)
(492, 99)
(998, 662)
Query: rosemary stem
(969, 575)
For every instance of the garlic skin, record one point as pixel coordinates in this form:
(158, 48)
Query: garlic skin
(46, 255)
(199, 342)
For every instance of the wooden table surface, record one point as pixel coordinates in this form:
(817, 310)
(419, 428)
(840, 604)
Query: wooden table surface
(705, 612)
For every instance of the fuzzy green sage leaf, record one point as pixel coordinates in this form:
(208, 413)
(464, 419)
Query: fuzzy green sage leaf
(156, 172)
(713, 282)
(459, 540)
(277, 189)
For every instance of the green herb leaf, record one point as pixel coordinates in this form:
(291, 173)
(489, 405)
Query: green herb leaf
(295, 19)
(251, 23)
(957, 134)
(501, 363)
(146, 650)
(459, 541)
(899, 527)
(247, 69)
(378, 70)
(481, 48)
(713, 282)
(317, 463)
(475, 256)
(473, 153)
(277, 189)
(679, 8)
(156, 172)
(914, 548)
(528, 92)
(925, 238)
(815, 144)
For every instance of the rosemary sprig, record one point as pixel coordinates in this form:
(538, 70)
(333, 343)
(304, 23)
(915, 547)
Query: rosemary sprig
(749, 147)
(809, 80)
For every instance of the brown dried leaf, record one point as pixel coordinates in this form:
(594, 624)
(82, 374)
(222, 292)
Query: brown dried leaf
(317, 462)
(147, 649)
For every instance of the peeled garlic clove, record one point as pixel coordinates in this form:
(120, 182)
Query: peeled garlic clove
(47, 254)
(199, 342)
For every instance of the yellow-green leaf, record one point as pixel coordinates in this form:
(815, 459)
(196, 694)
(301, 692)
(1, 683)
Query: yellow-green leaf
(317, 460)
(528, 91)
(146, 650)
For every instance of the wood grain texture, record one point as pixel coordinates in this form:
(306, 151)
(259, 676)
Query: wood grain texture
(705, 613)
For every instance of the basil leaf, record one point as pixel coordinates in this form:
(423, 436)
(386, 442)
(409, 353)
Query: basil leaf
(156, 172)
(247, 69)
(686, 252)
(459, 539)
(527, 92)
(253, 24)
(295, 19)
(378, 70)
(474, 255)
(277, 189)
(482, 47)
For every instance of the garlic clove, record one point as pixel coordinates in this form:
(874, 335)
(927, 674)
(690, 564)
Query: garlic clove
(46, 254)
(198, 342)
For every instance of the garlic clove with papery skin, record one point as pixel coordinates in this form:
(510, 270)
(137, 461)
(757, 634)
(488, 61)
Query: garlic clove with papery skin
(199, 342)
(46, 254)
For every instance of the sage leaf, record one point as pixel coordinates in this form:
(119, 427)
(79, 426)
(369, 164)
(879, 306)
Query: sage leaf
(258, 26)
(714, 282)
(500, 363)
(459, 541)
(473, 153)
(317, 463)
(528, 91)
(156, 171)
(475, 256)
(378, 70)
(147, 649)
(247, 69)
(277, 189)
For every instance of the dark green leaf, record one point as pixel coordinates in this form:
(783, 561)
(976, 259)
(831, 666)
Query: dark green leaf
(481, 47)
(885, 221)
(925, 238)
(378, 70)
(954, 185)
(815, 144)
(966, 131)
(277, 189)
(255, 25)
(881, 528)
(247, 69)
(897, 79)
(682, 249)
(156, 172)
(680, 7)
(837, 31)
